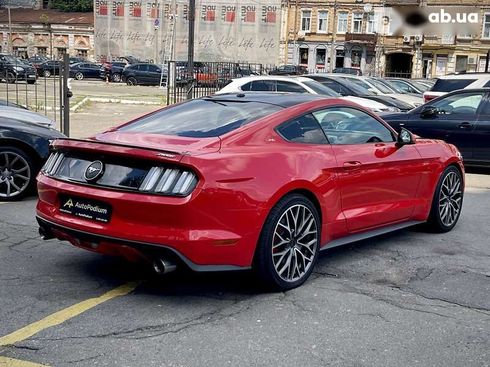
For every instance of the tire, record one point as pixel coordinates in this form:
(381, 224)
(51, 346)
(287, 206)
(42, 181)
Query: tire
(116, 78)
(11, 78)
(46, 73)
(17, 174)
(79, 76)
(279, 246)
(447, 201)
(131, 81)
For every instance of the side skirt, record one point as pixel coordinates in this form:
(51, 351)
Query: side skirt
(368, 234)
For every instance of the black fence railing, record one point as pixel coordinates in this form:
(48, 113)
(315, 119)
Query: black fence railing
(37, 86)
(207, 78)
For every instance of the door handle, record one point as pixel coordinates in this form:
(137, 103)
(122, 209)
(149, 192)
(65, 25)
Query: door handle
(352, 164)
(465, 125)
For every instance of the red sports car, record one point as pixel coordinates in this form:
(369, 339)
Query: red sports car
(262, 181)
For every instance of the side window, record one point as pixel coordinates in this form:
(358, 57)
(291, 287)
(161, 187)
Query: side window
(263, 86)
(458, 104)
(333, 85)
(404, 87)
(487, 84)
(154, 68)
(304, 129)
(283, 86)
(345, 125)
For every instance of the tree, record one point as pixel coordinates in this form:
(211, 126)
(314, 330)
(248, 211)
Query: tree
(70, 5)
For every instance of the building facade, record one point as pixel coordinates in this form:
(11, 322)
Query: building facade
(46, 32)
(371, 35)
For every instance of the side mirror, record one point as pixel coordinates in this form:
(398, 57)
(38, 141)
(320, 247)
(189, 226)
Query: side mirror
(404, 137)
(429, 111)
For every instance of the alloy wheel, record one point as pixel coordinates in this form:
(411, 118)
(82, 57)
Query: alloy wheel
(294, 243)
(15, 174)
(450, 199)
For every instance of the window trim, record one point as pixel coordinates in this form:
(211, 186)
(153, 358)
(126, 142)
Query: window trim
(346, 21)
(303, 10)
(374, 23)
(318, 30)
(483, 28)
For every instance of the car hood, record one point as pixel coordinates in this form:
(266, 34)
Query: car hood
(28, 127)
(391, 101)
(26, 116)
(176, 144)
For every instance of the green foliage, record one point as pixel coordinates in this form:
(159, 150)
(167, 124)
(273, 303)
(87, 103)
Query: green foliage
(70, 5)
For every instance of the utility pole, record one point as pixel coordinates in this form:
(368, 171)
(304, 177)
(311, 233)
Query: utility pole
(190, 48)
(11, 46)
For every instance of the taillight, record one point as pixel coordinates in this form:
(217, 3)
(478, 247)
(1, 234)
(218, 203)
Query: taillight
(52, 163)
(169, 181)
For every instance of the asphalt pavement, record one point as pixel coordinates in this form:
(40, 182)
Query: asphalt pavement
(409, 298)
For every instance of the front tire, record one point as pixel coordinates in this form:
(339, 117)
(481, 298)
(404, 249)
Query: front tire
(116, 78)
(79, 76)
(289, 244)
(447, 201)
(17, 174)
(46, 73)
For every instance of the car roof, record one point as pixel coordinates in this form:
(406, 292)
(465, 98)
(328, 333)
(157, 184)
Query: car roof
(284, 100)
(466, 76)
(247, 79)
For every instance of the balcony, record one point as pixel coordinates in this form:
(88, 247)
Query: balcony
(366, 38)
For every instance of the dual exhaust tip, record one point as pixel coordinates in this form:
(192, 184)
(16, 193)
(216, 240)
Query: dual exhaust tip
(160, 265)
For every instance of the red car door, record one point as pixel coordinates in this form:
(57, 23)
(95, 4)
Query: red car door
(378, 180)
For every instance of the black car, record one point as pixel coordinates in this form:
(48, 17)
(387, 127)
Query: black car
(461, 118)
(144, 74)
(85, 70)
(113, 71)
(50, 67)
(24, 147)
(14, 70)
(289, 70)
(346, 88)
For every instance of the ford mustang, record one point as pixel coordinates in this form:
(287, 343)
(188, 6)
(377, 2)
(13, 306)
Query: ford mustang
(240, 181)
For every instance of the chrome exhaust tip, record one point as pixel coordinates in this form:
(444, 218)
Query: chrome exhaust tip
(162, 266)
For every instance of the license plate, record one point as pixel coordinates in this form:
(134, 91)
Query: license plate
(31, 76)
(85, 208)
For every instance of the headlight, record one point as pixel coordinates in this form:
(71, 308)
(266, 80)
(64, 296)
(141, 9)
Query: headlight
(169, 181)
(18, 68)
(393, 109)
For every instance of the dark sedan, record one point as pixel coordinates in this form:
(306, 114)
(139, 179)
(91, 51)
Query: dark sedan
(461, 118)
(85, 70)
(24, 147)
(50, 67)
(346, 88)
(144, 74)
(289, 70)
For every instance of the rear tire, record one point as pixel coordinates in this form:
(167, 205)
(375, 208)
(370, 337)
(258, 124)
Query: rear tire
(289, 244)
(79, 76)
(447, 201)
(11, 78)
(17, 173)
(131, 81)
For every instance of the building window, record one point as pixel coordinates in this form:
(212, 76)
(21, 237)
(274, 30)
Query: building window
(357, 23)
(306, 20)
(303, 55)
(82, 53)
(356, 56)
(321, 54)
(42, 51)
(342, 22)
(486, 25)
(322, 21)
(461, 63)
(339, 58)
(371, 24)
(60, 52)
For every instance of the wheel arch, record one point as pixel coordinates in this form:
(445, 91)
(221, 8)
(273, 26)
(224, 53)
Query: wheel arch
(19, 144)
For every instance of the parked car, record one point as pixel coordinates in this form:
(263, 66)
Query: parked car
(352, 71)
(461, 118)
(3, 102)
(24, 147)
(289, 70)
(50, 67)
(14, 70)
(449, 83)
(36, 60)
(113, 70)
(85, 70)
(25, 115)
(144, 74)
(346, 88)
(380, 88)
(76, 60)
(402, 85)
(277, 178)
(297, 84)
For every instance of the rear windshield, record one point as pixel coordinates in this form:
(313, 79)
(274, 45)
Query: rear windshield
(201, 118)
(448, 85)
(321, 89)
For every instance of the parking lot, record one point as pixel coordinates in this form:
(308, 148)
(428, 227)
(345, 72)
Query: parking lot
(406, 299)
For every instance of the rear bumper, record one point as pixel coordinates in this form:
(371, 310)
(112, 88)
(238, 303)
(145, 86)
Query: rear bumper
(192, 228)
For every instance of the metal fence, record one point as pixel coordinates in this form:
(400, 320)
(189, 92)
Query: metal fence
(41, 88)
(207, 78)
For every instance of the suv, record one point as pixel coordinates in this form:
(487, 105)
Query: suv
(449, 83)
(144, 74)
(289, 70)
(13, 69)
